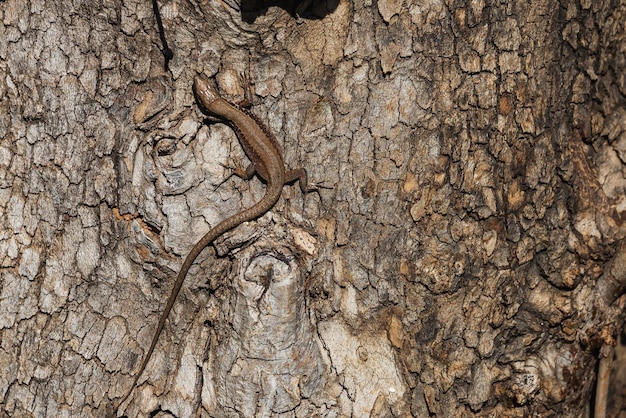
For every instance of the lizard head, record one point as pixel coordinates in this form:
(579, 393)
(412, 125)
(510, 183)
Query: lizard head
(205, 91)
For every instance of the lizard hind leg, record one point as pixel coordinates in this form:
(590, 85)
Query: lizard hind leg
(303, 180)
(301, 176)
(243, 173)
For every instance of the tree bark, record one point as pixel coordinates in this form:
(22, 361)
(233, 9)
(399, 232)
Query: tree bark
(465, 255)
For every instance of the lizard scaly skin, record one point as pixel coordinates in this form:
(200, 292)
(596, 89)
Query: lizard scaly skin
(267, 161)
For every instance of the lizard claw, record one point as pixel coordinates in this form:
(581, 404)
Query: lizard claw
(316, 187)
(246, 102)
(232, 172)
(236, 170)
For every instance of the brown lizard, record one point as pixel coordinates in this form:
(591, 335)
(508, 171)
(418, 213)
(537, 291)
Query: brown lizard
(266, 158)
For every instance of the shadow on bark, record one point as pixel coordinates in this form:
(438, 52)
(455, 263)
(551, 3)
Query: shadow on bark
(299, 9)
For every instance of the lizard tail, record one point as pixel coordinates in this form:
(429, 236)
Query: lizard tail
(265, 204)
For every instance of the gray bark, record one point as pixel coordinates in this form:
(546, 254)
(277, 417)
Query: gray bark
(465, 259)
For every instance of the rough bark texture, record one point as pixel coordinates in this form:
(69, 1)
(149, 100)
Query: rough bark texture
(468, 260)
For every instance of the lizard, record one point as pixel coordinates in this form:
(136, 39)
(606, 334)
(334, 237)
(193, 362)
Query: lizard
(266, 156)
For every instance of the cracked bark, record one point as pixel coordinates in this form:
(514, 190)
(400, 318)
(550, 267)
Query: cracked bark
(468, 261)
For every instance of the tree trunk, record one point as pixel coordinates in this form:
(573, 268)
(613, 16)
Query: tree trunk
(464, 254)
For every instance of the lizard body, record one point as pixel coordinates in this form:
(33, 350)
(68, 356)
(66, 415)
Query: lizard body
(266, 158)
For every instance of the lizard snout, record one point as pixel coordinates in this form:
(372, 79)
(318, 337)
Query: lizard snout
(205, 91)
